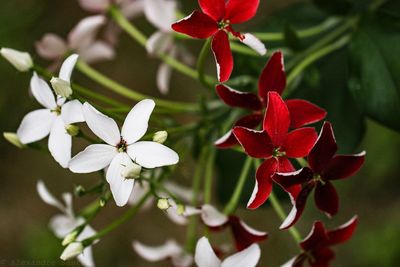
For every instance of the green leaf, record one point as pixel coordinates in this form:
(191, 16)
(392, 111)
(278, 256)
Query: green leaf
(376, 69)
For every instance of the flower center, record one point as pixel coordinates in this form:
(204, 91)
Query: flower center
(122, 146)
(223, 24)
(317, 178)
(277, 153)
(57, 110)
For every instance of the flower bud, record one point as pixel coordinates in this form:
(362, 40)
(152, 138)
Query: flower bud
(160, 137)
(180, 209)
(61, 87)
(163, 204)
(72, 130)
(131, 171)
(71, 251)
(22, 61)
(69, 238)
(13, 139)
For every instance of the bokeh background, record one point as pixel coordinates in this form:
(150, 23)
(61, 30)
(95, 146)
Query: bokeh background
(25, 238)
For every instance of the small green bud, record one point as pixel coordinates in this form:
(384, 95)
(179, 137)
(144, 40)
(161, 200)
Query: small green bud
(180, 209)
(72, 130)
(61, 87)
(163, 204)
(79, 190)
(160, 137)
(69, 238)
(13, 139)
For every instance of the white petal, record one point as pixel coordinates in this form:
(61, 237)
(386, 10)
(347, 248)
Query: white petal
(98, 51)
(35, 125)
(152, 155)
(184, 193)
(163, 78)
(212, 217)
(254, 43)
(85, 31)
(60, 143)
(94, 5)
(161, 13)
(139, 190)
(290, 262)
(121, 188)
(137, 121)
(93, 158)
(22, 61)
(51, 46)
(62, 225)
(47, 197)
(67, 67)
(86, 257)
(101, 125)
(71, 112)
(131, 9)
(157, 253)
(67, 197)
(42, 92)
(245, 258)
(159, 42)
(205, 255)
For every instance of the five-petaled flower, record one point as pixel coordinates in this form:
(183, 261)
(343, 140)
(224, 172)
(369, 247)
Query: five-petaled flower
(121, 148)
(316, 246)
(276, 145)
(54, 118)
(216, 20)
(272, 78)
(325, 166)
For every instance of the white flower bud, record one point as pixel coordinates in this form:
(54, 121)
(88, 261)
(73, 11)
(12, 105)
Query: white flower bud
(180, 209)
(72, 130)
(131, 171)
(22, 61)
(13, 139)
(69, 238)
(71, 251)
(160, 137)
(61, 87)
(163, 204)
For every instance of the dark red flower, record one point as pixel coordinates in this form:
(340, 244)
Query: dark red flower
(276, 145)
(325, 166)
(272, 79)
(317, 245)
(216, 20)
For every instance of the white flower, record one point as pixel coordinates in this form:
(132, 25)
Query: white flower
(205, 256)
(63, 224)
(121, 148)
(72, 250)
(53, 119)
(171, 250)
(22, 61)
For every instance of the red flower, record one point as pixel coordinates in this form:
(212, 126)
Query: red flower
(316, 245)
(216, 20)
(272, 78)
(325, 166)
(275, 144)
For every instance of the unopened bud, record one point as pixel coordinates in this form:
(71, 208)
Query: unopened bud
(71, 251)
(69, 238)
(163, 204)
(72, 130)
(180, 209)
(79, 191)
(131, 171)
(61, 87)
(13, 139)
(160, 137)
(22, 61)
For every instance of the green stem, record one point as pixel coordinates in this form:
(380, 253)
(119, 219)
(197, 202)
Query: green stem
(208, 174)
(231, 207)
(201, 62)
(129, 93)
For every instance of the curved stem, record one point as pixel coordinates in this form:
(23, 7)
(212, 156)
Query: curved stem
(201, 62)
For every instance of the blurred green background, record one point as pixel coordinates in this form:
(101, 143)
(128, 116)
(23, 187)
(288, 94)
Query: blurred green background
(25, 237)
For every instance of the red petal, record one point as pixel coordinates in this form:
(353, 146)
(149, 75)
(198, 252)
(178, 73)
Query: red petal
(303, 112)
(244, 235)
(291, 181)
(238, 99)
(213, 8)
(343, 166)
(322, 257)
(256, 144)
(263, 186)
(223, 55)
(229, 139)
(323, 150)
(276, 120)
(343, 232)
(238, 11)
(299, 142)
(197, 25)
(285, 165)
(317, 237)
(273, 77)
(298, 207)
(326, 198)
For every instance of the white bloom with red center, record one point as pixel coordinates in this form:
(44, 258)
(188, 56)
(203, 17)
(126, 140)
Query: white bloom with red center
(63, 224)
(206, 257)
(54, 118)
(121, 148)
